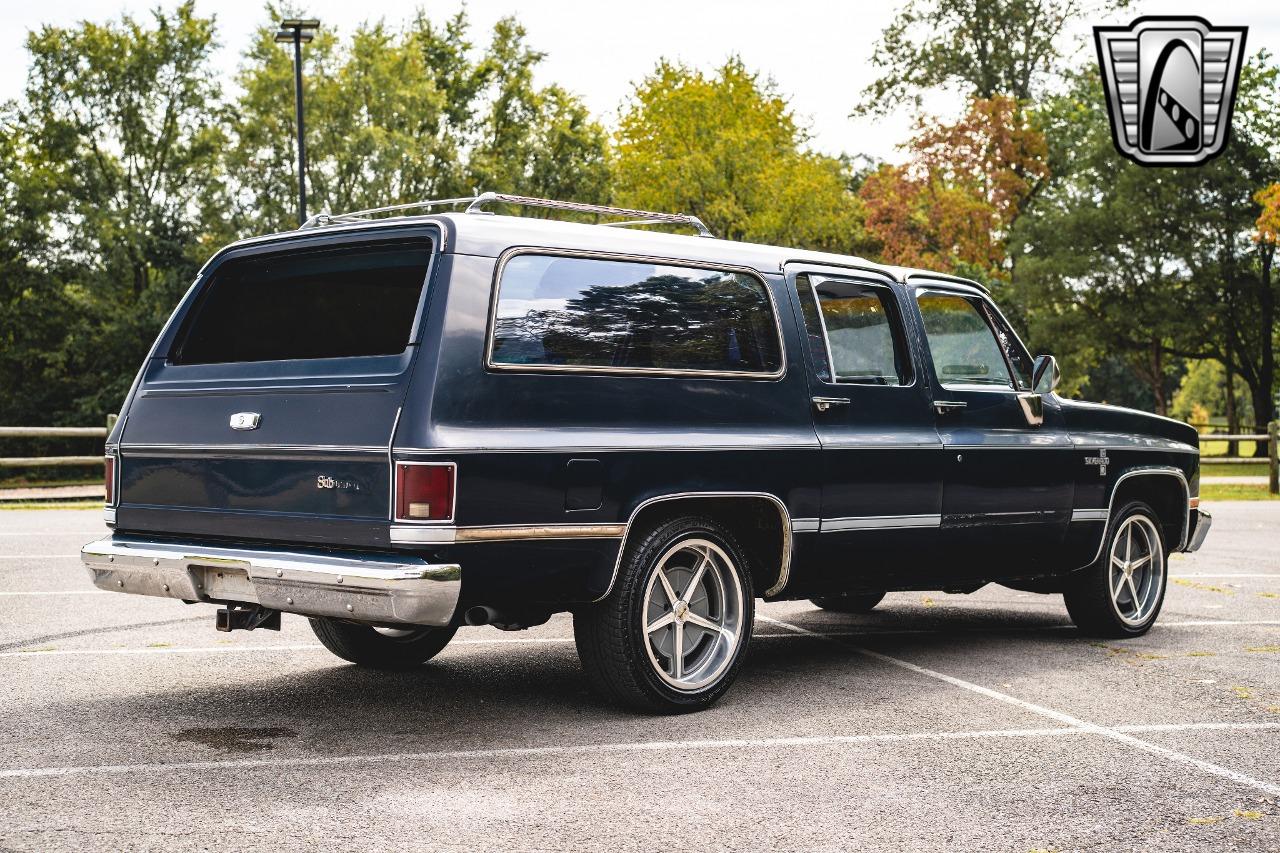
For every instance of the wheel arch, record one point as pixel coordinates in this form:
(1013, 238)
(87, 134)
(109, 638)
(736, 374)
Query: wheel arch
(1165, 488)
(764, 528)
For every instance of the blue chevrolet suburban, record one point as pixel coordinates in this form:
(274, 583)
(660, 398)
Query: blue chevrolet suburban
(396, 423)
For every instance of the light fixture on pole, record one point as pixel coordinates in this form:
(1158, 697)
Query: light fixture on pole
(297, 31)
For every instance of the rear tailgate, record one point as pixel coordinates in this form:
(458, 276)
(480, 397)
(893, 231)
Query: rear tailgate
(269, 413)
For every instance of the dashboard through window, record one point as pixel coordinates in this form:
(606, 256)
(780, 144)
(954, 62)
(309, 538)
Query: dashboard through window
(853, 331)
(962, 342)
(583, 313)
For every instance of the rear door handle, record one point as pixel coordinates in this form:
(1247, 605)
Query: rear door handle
(822, 404)
(947, 407)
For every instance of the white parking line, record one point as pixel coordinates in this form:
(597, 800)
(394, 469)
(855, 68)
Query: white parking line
(75, 556)
(674, 747)
(1226, 575)
(1083, 725)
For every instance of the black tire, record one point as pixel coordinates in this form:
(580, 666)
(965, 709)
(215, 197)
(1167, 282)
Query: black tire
(369, 647)
(849, 602)
(612, 641)
(1088, 593)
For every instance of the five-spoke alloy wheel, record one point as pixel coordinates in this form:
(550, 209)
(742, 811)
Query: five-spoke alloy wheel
(1121, 594)
(693, 607)
(671, 635)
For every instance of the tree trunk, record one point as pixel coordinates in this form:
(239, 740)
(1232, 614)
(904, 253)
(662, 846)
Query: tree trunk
(1233, 417)
(1262, 403)
(1157, 378)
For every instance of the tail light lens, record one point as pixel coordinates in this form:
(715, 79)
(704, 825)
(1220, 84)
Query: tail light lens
(424, 491)
(109, 465)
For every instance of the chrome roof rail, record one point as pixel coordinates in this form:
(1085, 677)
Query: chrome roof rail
(322, 219)
(475, 204)
(638, 217)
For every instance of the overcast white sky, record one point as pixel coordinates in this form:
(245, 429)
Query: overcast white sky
(816, 50)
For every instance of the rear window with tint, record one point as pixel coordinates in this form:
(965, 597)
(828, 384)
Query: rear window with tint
(336, 303)
(582, 313)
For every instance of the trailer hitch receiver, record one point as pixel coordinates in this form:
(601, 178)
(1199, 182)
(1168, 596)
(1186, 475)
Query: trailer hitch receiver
(234, 618)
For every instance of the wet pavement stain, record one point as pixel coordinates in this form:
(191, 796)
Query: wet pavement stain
(239, 739)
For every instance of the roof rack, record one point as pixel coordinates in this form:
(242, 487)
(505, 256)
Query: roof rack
(475, 204)
(638, 217)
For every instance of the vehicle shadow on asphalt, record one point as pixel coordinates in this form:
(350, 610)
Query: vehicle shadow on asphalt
(479, 696)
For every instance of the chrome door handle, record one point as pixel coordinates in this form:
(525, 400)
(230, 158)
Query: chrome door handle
(946, 407)
(822, 404)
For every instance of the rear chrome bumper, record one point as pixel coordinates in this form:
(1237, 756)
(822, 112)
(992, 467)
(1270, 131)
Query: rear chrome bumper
(374, 588)
(1201, 521)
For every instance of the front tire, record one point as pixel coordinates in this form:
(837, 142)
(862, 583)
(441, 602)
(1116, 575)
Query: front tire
(671, 636)
(1121, 594)
(382, 648)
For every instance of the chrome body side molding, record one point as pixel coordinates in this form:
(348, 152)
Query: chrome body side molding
(408, 534)
(374, 588)
(879, 522)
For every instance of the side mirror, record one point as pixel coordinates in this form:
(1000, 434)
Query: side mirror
(1045, 374)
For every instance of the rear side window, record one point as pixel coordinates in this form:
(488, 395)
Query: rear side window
(337, 303)
(588, 313)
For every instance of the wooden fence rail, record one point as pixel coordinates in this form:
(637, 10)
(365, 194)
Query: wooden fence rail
(1271, 438)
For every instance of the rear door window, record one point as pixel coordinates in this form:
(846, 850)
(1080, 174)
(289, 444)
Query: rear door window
(854, 332)
(349, 301)
(579, 313)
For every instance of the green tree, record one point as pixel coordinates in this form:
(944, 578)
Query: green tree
(983, 47)
(400, 115)
(1156, 265)
(727, 149)
(120, 128)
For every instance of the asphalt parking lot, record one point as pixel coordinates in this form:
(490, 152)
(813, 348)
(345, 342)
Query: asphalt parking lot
(939, 722)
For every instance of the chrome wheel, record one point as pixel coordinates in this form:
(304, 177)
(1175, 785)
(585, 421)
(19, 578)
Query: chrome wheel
(693, 614)
(1136, 570)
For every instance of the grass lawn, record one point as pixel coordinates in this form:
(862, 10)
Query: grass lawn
(1252, 469)
(1219, 448)
(1230, 492)
(50, 505)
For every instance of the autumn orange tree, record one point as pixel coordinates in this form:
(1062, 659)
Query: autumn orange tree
(952, 205)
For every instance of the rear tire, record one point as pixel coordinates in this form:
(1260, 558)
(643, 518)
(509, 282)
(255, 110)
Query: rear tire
(389, 649)
(849, 602)
(1121, 594)
(671, 636)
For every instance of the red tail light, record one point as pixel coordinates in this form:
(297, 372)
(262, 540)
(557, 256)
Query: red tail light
(110, 479)
(424, 491)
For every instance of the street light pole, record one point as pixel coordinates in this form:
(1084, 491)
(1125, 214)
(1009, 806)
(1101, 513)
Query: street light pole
(298, 31)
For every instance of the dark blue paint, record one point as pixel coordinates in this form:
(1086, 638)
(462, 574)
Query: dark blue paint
(548, 448)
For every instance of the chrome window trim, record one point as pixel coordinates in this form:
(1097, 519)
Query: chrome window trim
(784, 570)
(898, 334)
(419, 522)
(1144, 472)
(236, 448)
(516, 251)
